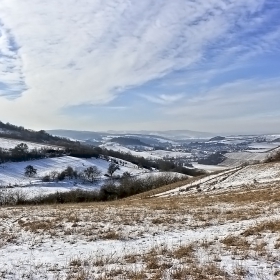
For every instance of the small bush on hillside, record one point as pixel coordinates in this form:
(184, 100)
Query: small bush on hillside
(46, 178)
(274, 158)
(61, 176)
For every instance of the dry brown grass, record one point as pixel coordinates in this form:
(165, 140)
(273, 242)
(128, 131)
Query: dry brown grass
(111, 234)
(277, 244)
(236, 241)
(136, 275)
(164, 188)
(36, 226)
(272, 226)
(152, 262)
(184, 252)
(171, 213)
(7, 237)
(139, 217)
(197, 271)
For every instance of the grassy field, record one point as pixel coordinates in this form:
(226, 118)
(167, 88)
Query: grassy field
(217, 235)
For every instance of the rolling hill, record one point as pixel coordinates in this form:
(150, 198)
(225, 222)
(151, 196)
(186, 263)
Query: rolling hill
(221, 226)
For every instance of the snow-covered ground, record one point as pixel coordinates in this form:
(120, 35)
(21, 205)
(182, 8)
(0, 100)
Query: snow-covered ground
(254, 156)
(222, 226)
(239, 158)
(158, 154)
(6, 143)
(209, 168)
(228, 235)
(236, 177)
(12, 174)
(262, 147)
(272, 137)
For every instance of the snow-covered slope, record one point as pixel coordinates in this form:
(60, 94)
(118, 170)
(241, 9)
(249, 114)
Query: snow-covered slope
(239, 158)
(236, 177)
(226, 235)
(13, 173)
(6, 143)
(157, 154)
(262, 147)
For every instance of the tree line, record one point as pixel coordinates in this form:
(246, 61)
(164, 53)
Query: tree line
(109, 191)
(21, 152)
(90, 174)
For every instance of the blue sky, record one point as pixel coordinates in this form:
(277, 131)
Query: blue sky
(141, 65)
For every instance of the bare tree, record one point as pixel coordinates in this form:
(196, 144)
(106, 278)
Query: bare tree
(92, 173)
(112, 168)
(30, 171)
(54, 175)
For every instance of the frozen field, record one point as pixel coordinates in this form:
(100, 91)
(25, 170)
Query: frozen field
(6, 143)
(12, 174)
(230, 234)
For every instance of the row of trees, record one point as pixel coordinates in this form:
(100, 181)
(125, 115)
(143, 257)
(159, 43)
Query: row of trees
(21, 152)
(109, 191)
(90, 174)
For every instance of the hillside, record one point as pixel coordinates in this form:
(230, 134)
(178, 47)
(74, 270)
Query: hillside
(222, 226)
(248, 157)
(149, 154)
(20, 133)
(217, 138)
(13, 173)
(128, 141)
(165, 135)
(239, 177)
(9, 143)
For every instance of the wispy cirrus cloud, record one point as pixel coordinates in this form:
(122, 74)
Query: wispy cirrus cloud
(163, 99)
(244, 105)
(11, 80)
(57, 54)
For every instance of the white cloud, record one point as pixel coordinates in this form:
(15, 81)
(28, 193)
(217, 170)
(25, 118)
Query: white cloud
(76, 52)
(163, 99)
(240, 99)
(10, 65)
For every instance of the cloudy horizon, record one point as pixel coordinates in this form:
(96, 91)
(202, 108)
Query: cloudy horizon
(97, 65)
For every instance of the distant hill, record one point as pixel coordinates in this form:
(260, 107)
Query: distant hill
(8, 130)
(217, 138)
(128, 141)
(169, 135)
(276, 140)
(78, 135)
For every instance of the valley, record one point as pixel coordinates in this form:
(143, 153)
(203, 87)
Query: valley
(143, 220)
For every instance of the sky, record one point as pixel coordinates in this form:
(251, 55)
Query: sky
(98, 65)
